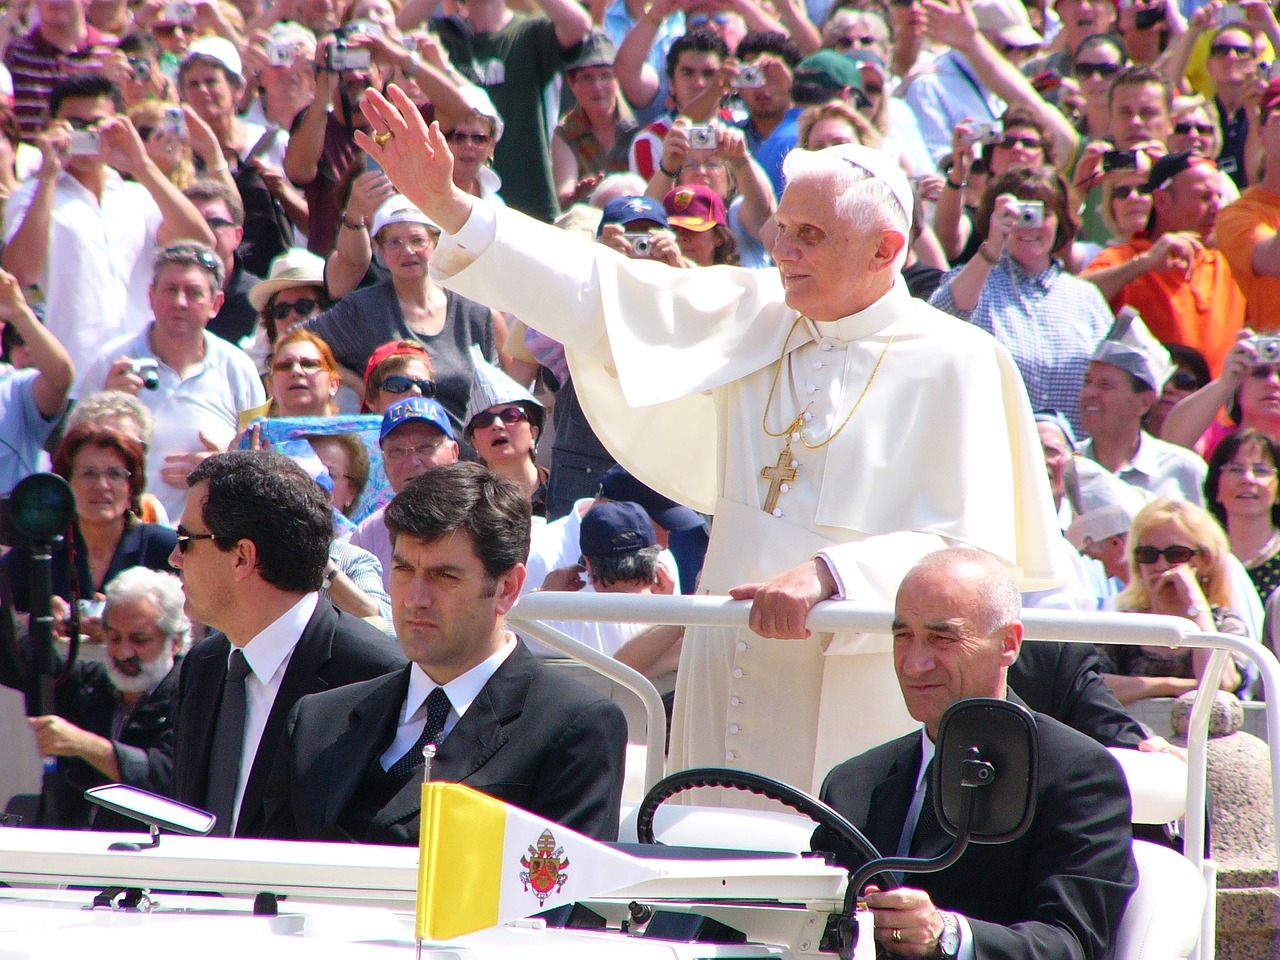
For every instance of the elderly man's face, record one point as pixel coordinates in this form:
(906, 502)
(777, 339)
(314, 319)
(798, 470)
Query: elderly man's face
(1190, 201)
(945, 647)
(830, 268)
(1057, 454)
(1109, 407)
(138, 653)
(414, 448)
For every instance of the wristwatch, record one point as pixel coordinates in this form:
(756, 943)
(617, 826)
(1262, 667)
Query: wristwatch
(949, 941)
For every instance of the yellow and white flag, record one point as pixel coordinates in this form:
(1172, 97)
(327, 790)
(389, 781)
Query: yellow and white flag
(483, 862)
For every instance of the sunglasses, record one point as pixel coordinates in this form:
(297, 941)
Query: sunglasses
(1097, 70)
(1174, 554)
(1185, 381)
(511, 415)
(475, 139)
(845, 43)
(701, 20)
(281, 311)
(397, 383)
(1193, 128)
(184, 538)
(219, 223)
(1126, 191)
(1030, 143)
(1229, 50)
(305, 364)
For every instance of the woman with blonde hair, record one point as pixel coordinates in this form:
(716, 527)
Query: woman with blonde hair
(167, 146)
(833, 123)
(1177, 567)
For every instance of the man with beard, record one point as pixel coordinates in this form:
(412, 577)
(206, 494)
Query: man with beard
(109, 717)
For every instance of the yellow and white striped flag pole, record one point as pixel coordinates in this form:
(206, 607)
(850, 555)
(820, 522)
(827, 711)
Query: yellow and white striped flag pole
(483, 862)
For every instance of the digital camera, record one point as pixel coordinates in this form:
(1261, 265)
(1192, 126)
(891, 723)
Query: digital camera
(178, 12)
(1268, 349)
(1028, 214)
(988, 132)
(341, 57)
(702, 137)
(280, 54)
(148, 368)
(641, 244)
(750, 77)
(175, 121)
(85, 143)
(1119, 160)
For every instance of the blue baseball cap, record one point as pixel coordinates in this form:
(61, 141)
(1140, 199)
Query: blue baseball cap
(629, 210)
(422, 409)
(614, 529)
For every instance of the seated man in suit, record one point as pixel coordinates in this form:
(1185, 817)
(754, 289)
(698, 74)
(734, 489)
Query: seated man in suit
(503, 722)
(1058, 891)
(253, 544)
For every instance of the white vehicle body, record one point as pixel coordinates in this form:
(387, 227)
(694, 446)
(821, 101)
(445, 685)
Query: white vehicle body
(357, 901)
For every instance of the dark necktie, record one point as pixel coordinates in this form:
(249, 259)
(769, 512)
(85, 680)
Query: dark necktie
(228, 745)
(433, 732)
(920, 801)
(927, 827)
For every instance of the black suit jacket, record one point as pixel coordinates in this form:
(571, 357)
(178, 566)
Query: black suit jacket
(1065, 681)
(533, 738)
(1056, 893)
(143, 749)
(335, 649)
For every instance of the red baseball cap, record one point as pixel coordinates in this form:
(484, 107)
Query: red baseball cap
(694, 207)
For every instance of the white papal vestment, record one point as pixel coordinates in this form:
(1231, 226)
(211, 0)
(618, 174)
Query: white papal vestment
(674, 370)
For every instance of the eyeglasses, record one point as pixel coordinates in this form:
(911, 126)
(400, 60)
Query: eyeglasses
(305, 364)
(703, 166)
(475, 139)
(1260, 471)
(421, 452)
(1189, 127)
(1174, 554)
(845, 43)
(1185, 381)
(303, 307)
(701, 20)
(218, 223)
(508, 415)
(1263, 371)
(1030, 143)
(113, 475)
(1230, 50)
(413, 244)
(397, 383)
(1096, 70)
(1125, 191)
(185, 538)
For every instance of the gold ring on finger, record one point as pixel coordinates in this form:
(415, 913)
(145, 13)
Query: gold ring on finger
(896, 936)
(382, 139)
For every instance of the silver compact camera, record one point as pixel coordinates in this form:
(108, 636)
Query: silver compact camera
(341, 57)
(175, 122)
(178, 12)
(702, 137)
(1268, 349)
(750, 77)
(987, 132)
(641, 244)
(1028, 214)
(148, 368)
(280, 54)
(85, 143)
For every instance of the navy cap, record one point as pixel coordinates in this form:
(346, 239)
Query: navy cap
(1172, 164)
(420, 409)
(628, 210)
(618, 484)
(615, 529)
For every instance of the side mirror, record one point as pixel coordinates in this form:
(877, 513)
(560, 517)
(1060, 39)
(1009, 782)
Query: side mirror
(153, 810)
(986, 757)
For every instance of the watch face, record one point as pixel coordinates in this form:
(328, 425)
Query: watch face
(949, 942)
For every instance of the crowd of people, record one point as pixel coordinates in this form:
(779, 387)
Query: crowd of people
(218, 236)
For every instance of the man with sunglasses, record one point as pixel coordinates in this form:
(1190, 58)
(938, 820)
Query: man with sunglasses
(1124, 379)
(1248, 229)
(416, 436)
(201, 382)
(1233, 66)
(237, 320)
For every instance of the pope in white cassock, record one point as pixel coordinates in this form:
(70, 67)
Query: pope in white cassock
(837, 429)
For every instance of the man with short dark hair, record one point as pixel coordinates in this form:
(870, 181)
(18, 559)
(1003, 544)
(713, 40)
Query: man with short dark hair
(82, 233)
(253, 544)
(350, 764)
(1057, 892)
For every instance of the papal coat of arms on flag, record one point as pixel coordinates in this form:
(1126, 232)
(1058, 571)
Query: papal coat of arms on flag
(544, 867)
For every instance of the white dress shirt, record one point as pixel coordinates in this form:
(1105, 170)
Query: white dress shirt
(268, 655)
(461, 691)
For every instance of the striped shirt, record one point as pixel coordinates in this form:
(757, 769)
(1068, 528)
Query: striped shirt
(37, 66)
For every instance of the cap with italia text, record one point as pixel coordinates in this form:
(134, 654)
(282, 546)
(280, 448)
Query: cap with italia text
(419, 409)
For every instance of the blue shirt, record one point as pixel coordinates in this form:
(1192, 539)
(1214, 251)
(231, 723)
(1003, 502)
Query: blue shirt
(1050, 321)
(944, 95)
(774, 148)
(23, 428)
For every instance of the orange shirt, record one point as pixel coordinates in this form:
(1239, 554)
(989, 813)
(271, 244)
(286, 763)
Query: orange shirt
(1241, 226)
(1204, 312)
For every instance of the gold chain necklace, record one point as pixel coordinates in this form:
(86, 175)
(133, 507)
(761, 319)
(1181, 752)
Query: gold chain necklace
(783, 471)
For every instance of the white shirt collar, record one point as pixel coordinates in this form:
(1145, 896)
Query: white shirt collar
(270, 649)
(462, 691)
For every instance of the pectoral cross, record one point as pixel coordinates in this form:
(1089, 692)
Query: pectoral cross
(780, 473)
